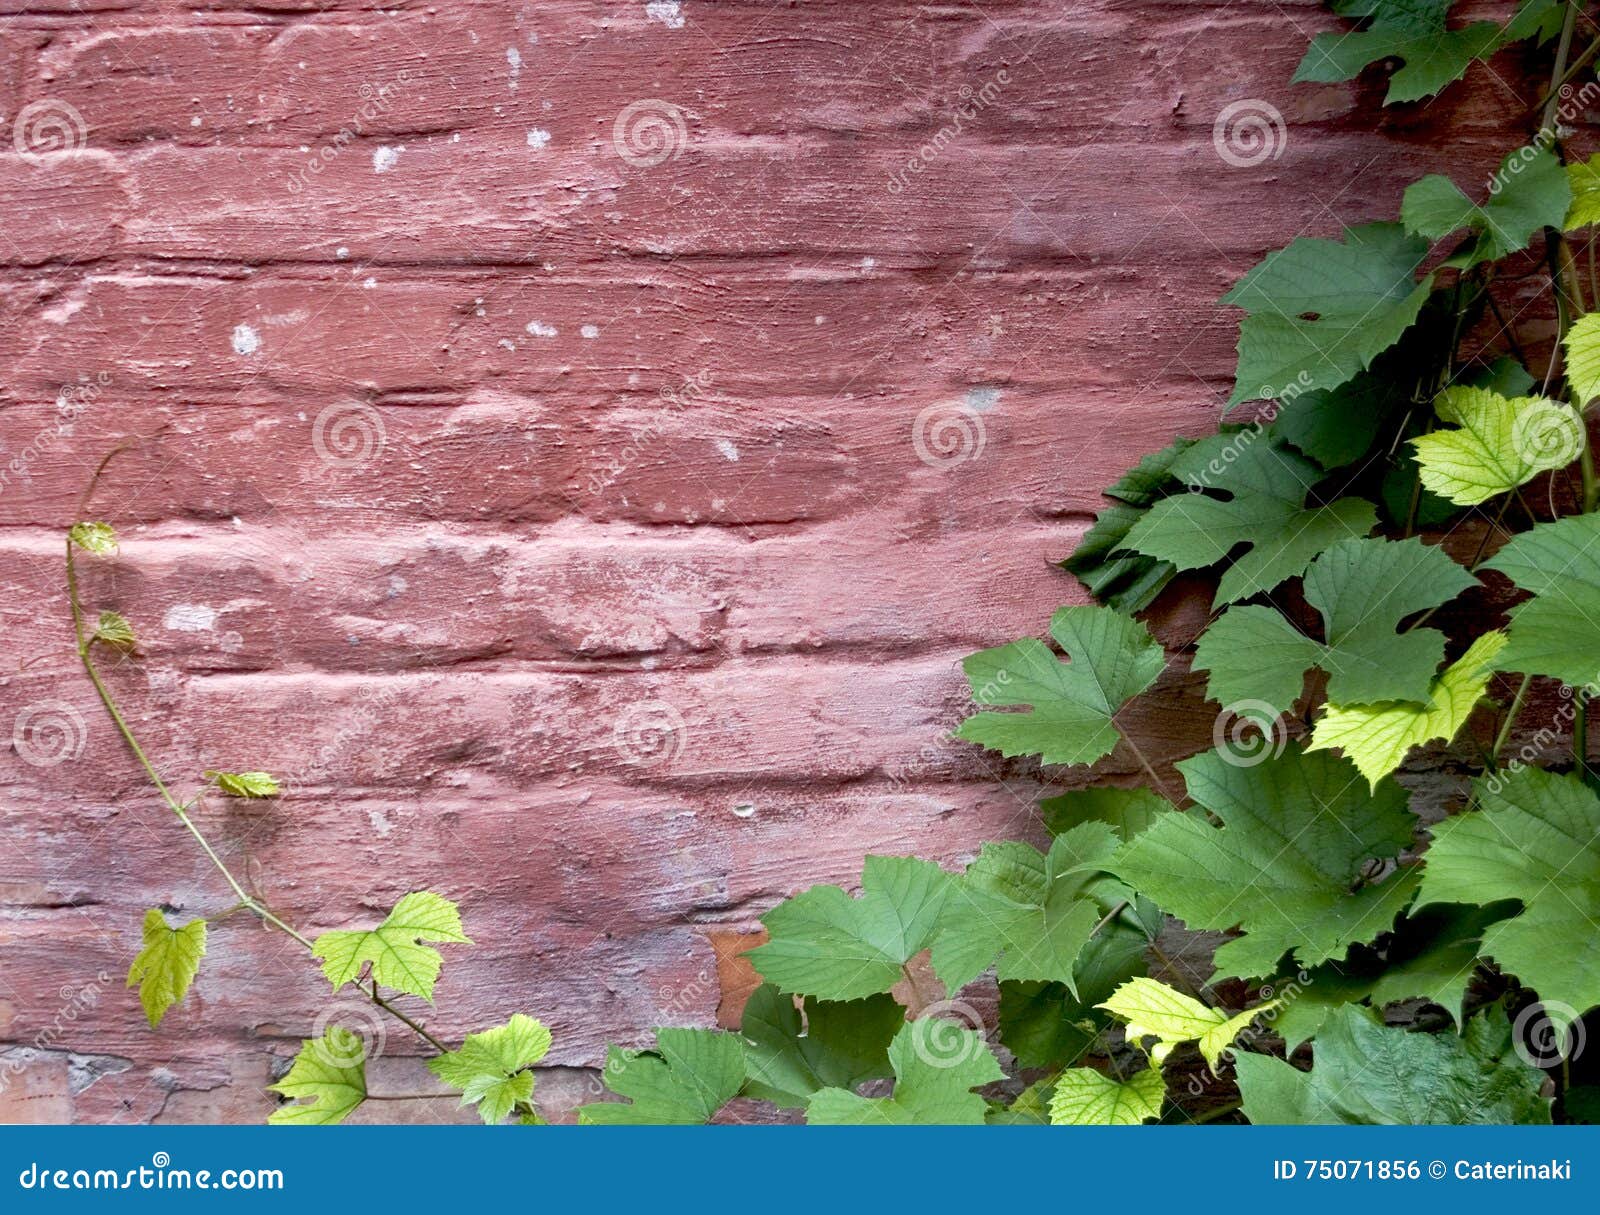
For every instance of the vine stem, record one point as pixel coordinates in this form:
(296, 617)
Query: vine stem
(85, 644)
(1511, 717)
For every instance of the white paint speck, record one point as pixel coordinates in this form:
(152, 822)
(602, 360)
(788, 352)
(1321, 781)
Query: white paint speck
(538, 137)
(728, 450)
(369, 283)
(384, 158)
(195, 121)
(867, 263)
(744, 810)
(342, 252)
(982, 399)
(540, 329)
(668, 12)
(380, 822)
(245, 340)
(190, 618)
(514, 58)
(590, 331)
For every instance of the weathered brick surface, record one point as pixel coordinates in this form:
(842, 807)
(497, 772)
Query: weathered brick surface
(574, 532)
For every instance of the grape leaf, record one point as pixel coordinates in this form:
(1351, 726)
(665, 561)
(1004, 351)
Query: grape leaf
(1497, 443)
(97, 538)
(395, 947)
(1151, 1009)
(1363, 590)
(1085, 1097)
(489, 1067)
(1583, 357)
(1126, 811)
(114, 630)
(1119, 579)
(1413, 31)
(167, 965)
(1584, 180)
(1337, 426)
(1557, 632)
(1319, 311)
(838, 1045)
(936, 1066)
(690, 1075)
(1369, 1074)
(1534, 840)
(1285, 865)
(330, 1072)
(1071, 705)
(1378, 737)
(826, 944)
(1267, 511)
(245, 784)
(1029, 913)
(1530, 192)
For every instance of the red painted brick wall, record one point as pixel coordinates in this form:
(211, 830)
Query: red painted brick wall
(578, 448)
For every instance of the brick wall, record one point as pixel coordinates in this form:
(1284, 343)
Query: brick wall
(579, 449)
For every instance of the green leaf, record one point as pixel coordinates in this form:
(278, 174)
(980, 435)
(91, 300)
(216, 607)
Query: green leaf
(1071, 705)
(1267, 511)
(1536, 840)
(330, 1073)
(1498, 443)
(395, 947)
(245, 784)
(1126, 811)
(1319, 311)
(837, 1045)
(97, 538)
(1031, 1107)
(1151, 1009)
(114, 630)
(1413, 31)
(167, 965)
(1584, 180)
(1028, 913)
(936, 1064)
(1085, 1097)
(1530, 191)
(1119, 579)
(1337, 426)
(1363, 590)
(1368, 1074)
(1583, 357)
(1557, 632)
(826, 944)
(489, 1067)
(1285, 866)
(1378, 737)
(690, 1075)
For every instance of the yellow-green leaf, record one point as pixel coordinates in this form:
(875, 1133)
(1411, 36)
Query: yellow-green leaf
(1154, 1010)
(167, 965)
(1085, 1097)
(246, 784)
(1583, 357)
(1377, 738)
(1497, 443)
(490, 1067)
(1584, 178)
(113, 629)
(97, 538)
(395, 947)
(330, 1073)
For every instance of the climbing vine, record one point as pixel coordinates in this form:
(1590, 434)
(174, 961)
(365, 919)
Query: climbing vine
(1405, 459)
